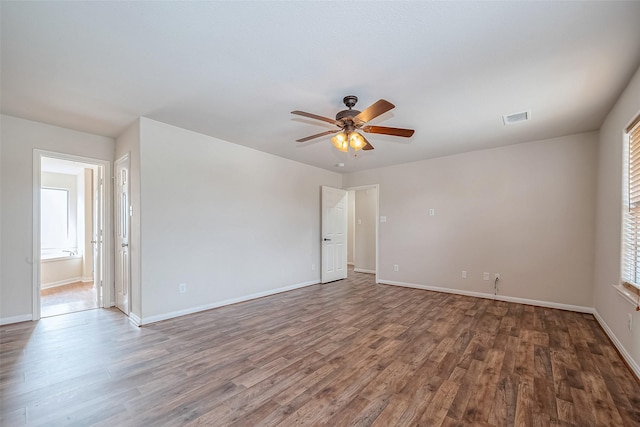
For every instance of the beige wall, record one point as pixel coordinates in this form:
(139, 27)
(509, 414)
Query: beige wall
(525, 211)
(612, 308)
(19, 139)
(62, 271)
(229, 221)
(365, 230)
(351, 226)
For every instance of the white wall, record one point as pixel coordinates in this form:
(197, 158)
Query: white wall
(229, 221)
(525, 211)
(19, 139)
(610, 306)
(365, 230)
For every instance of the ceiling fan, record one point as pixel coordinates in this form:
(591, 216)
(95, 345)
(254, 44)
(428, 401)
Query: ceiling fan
(350, 121)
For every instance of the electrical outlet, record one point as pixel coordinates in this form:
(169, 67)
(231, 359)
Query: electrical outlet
(313, 267)
(395, 267)
(182, 288)
(464, 274)
(485, 276)
(629, 320)
(432, 212)
(496, 276)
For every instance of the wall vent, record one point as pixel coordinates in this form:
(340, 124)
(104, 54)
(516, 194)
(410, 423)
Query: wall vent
(522, 116)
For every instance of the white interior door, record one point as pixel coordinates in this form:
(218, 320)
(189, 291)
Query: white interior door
(334, 234)
(123, 215)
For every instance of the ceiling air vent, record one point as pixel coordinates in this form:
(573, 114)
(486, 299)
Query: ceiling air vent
(510, 119)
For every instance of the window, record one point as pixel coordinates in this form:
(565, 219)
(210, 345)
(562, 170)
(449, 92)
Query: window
(55, 219)
(631, 220)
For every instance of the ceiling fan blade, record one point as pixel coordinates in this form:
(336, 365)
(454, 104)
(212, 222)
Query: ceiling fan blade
(379, 107)
(314, 116)
(368, 145)
(329, 132)
(389, 131)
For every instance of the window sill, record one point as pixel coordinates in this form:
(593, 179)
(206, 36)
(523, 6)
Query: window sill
(626, 294)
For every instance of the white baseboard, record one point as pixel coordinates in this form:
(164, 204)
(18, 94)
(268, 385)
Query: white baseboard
(362, 270)
(135, 319)
(16, 319)
(625, 354)
(171, 315)
(569, 307)
(87, 279)
(62, 282)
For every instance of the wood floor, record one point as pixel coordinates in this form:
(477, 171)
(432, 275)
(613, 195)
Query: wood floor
(68, 299)
(346, 353)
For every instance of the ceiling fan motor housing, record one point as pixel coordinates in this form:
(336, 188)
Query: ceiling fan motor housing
(347, 113)
(350, 101)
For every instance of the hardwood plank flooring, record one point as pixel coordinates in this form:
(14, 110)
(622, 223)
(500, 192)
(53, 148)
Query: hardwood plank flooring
(345, 353)
(69, 298)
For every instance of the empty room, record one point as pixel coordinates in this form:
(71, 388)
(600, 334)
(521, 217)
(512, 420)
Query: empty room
(320, 213)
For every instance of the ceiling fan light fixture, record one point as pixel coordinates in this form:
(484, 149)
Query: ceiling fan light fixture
(356, 141)
(341, 142)
(349, 121)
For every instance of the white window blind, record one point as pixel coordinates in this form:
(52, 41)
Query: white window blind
(631, 222)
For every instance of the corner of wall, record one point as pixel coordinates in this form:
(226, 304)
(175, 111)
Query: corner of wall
(611, 310)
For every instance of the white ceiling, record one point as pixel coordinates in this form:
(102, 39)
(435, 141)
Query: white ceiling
(235, 70)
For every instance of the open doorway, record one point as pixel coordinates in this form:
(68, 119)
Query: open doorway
(69, 234)
(362, 231)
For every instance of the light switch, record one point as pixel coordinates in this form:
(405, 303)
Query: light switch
(359, 221)
(383, 218)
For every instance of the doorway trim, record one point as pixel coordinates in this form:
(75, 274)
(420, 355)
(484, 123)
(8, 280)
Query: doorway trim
(375, 187)
(104, 173)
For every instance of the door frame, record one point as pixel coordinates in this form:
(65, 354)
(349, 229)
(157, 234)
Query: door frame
(104, 173)
(375, 187)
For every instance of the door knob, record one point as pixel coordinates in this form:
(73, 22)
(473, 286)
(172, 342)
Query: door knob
(326, 240)
(124, 245)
